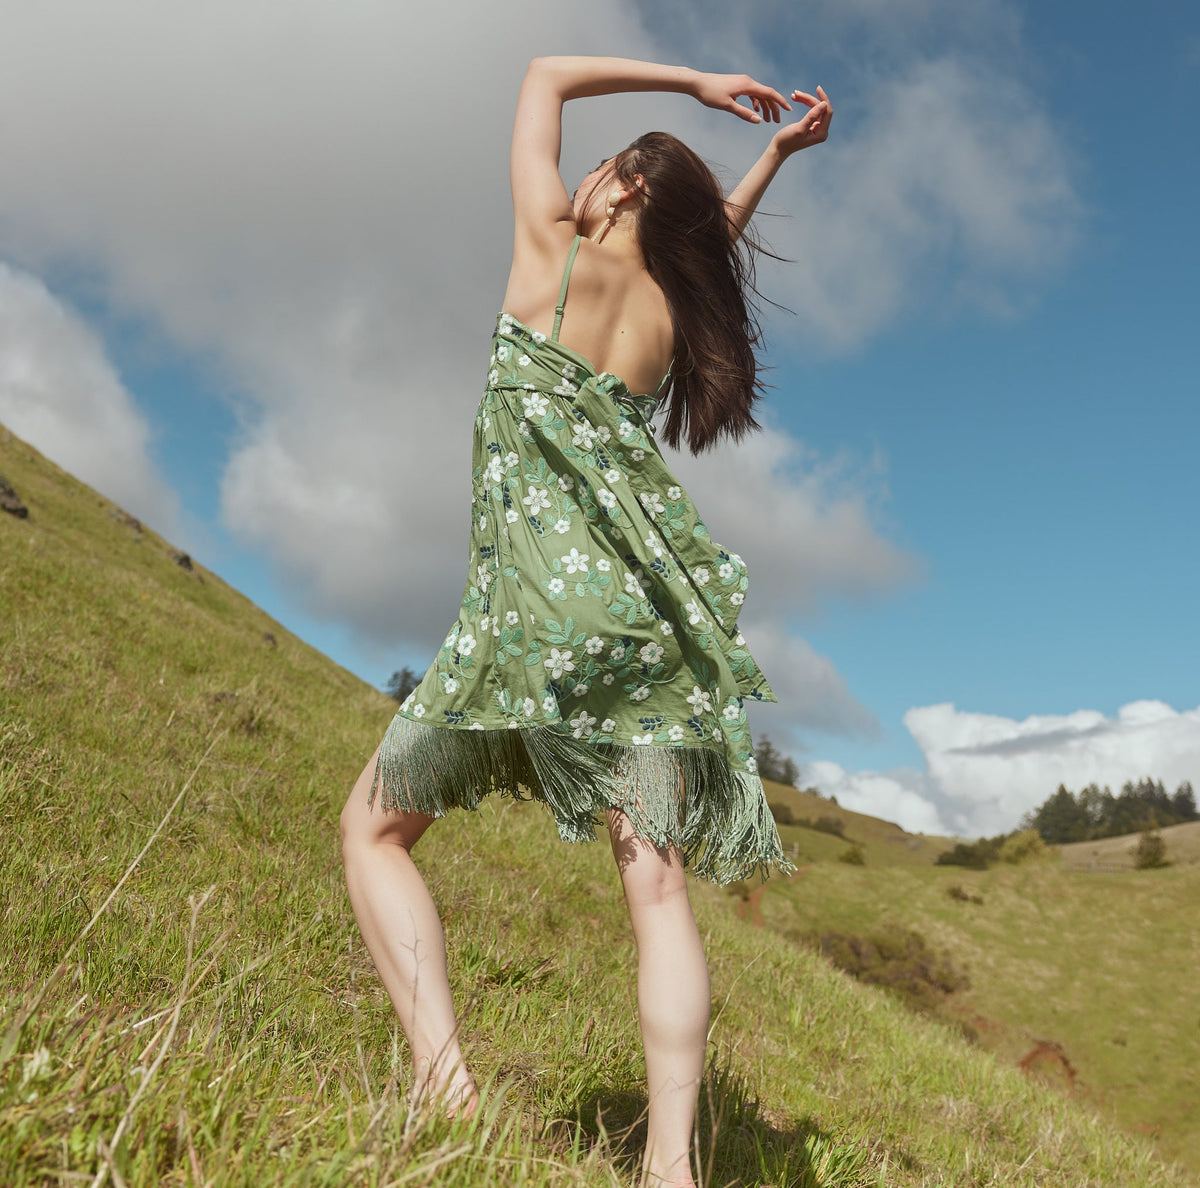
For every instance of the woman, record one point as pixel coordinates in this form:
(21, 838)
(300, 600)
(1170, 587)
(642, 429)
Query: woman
(596, 663)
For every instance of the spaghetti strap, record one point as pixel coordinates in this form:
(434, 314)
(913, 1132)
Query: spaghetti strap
(562, 292)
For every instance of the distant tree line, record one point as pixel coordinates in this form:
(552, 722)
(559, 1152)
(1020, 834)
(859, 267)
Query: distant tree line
(1095, 812)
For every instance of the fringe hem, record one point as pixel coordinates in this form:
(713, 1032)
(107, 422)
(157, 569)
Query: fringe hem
(688, 797)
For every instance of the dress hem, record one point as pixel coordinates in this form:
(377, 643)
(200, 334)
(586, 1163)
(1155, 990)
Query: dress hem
(689, 797)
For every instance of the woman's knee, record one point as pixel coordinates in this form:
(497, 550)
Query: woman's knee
(650, 874)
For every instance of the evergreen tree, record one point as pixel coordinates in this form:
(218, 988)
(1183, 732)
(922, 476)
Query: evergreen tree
(1183, 803)
(401, 684)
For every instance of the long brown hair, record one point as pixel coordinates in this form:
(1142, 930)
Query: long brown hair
(707, 276)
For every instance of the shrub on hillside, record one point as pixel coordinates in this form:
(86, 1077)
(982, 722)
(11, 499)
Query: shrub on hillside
(782, 813)
(854, 855)
(976, 855)
(900, 960)
(1022, 846)
(955, 891)
(1151, 851)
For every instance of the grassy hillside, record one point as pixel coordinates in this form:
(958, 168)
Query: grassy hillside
(187, 999)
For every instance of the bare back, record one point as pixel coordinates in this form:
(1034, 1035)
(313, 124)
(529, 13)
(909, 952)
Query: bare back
(617, 317)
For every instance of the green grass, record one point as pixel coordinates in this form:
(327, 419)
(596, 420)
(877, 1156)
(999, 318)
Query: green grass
(187, 998)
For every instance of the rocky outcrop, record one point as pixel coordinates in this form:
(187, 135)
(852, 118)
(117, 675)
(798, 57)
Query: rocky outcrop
(10, 501)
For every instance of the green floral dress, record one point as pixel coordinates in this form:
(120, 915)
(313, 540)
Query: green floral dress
(596, 659)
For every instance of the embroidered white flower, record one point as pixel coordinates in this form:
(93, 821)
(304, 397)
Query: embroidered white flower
(510, 460)
(466, 644)
(559, 662)
(642, 740)
(449, 642)
(565, 482)
(493, 378)
(495, 470)
(739, 639)
(603, 564)
(612, 476)
(537, 336)
(583, 724)
(485, 623)
(652, 542)
(603, 432)
(484, 576)
(514, 725)
(575, 561)
(451, 685)
(606, 497)
(675, 733)
(503, 350)
(637, 454)
(506, 323)
(557, 585)
(751, 763)
(695, 614)
(524, 430)
(640, 693)
(536, 499)
(651, 653)
(524, 360)
(626, 429)
(594, 646)
(652, 502)
(562, 525)
(607, 678)
(535, 404)
(608, 725)
(666, 628)
(584, 435)
(617, 654)
(478, 726)
(580, 689)
(700, 576)
(549, 705)
(731, 713)
(529, 705)
(716, 731)
(674, 492)
(726, 571)
(737, 598)
(633, 583)
(512, 515)
(418, 710)
(700, 700)
(512, 618)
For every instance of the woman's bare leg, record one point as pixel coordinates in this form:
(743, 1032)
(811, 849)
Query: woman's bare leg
(403, 933)
(673, 997)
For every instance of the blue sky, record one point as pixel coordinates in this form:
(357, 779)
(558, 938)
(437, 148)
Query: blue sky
(1021, 429)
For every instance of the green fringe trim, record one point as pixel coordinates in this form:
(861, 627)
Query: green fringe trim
(689, 797)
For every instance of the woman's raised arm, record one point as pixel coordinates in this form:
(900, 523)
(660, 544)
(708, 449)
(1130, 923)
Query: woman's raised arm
(540, 200)
(812, 129)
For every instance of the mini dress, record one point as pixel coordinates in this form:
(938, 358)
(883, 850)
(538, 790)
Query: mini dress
(596, 660)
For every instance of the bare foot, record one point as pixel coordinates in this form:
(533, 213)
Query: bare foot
(458, 1099)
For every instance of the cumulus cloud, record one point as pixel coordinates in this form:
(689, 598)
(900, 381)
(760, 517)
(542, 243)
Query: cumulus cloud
(59, 391)
(314, 199)
(983, 771)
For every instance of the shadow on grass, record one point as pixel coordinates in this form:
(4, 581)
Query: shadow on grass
(739, 1145)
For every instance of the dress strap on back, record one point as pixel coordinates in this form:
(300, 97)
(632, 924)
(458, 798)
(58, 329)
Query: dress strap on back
(562, 292)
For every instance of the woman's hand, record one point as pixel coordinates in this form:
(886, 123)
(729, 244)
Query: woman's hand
(812, 129)
(723, 90)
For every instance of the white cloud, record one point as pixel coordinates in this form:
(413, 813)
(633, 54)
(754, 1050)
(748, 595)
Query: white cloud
(59, 391)
(984, 771)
